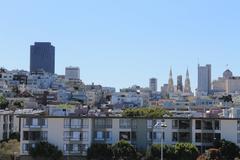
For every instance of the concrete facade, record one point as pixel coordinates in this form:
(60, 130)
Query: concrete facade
(73, 135)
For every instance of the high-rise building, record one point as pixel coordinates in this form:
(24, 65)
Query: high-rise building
(187, 85)
(204, 79)
(153, 84)
(42, 57)
(72, 73)
(179, 83)
(170, 83)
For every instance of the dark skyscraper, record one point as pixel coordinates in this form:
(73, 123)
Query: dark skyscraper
(42, 56)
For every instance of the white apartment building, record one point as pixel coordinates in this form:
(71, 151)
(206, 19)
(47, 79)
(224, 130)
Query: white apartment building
(127, 99)
(72, 73)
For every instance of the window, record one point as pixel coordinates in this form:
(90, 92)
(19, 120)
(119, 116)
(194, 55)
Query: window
(207, 125)
(108, 123)
(75, 123)
(208, 137)
(175, 124)
(217, 136)
(66, 123)
(75, 136)
(174, 136)
(149, 124)
(157, 136)
(35, 135)
(26, 147)
(238, 125)
(184, 137)
(108, 136)
(99, 135)
(125, 136)
(198, 138)
(85, 123)
(217, 125)
(125, 123)
(34, 122)
(99, 123)
(198, 124)
(184, 124)
(134, 123)
(238, 138)
(44, 135)
(84, 136)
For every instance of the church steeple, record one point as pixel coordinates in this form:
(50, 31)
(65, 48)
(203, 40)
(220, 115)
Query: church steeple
(187, 86)
(170, 82)
(170, 73)
(187, 74)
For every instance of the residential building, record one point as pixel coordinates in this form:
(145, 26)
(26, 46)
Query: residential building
(72, 73)
(42, 56)
(73, 135)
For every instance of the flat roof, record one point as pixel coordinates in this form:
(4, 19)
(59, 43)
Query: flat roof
(112, 117)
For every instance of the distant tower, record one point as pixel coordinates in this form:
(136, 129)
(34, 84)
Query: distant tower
(153, 84)
(42, 56)
(179, 83)
(204, 79)
(187, 86)
(170, 83)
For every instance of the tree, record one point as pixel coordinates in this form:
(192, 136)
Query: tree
(124, 151)
(186, 151)
(99, 152)
(19, 104)
(9, 150)
(228, 150)
(3, 102)
(45, 150)
(154, 153)
(149, 112)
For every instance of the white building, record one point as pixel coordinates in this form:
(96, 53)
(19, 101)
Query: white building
(72, 73)
(127, 99)
(228, 84)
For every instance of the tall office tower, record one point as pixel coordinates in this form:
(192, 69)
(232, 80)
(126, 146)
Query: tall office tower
(179, 83)
(187, 85)
(42, 56)
(72, 73)
(204, 79)
(153, 84)
(170, 83)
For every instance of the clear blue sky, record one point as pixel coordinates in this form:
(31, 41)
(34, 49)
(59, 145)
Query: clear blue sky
(124, 42)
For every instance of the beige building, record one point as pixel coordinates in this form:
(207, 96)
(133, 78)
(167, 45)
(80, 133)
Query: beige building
(73, 135)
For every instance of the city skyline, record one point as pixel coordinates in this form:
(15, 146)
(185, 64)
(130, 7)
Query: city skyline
(125, 48)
